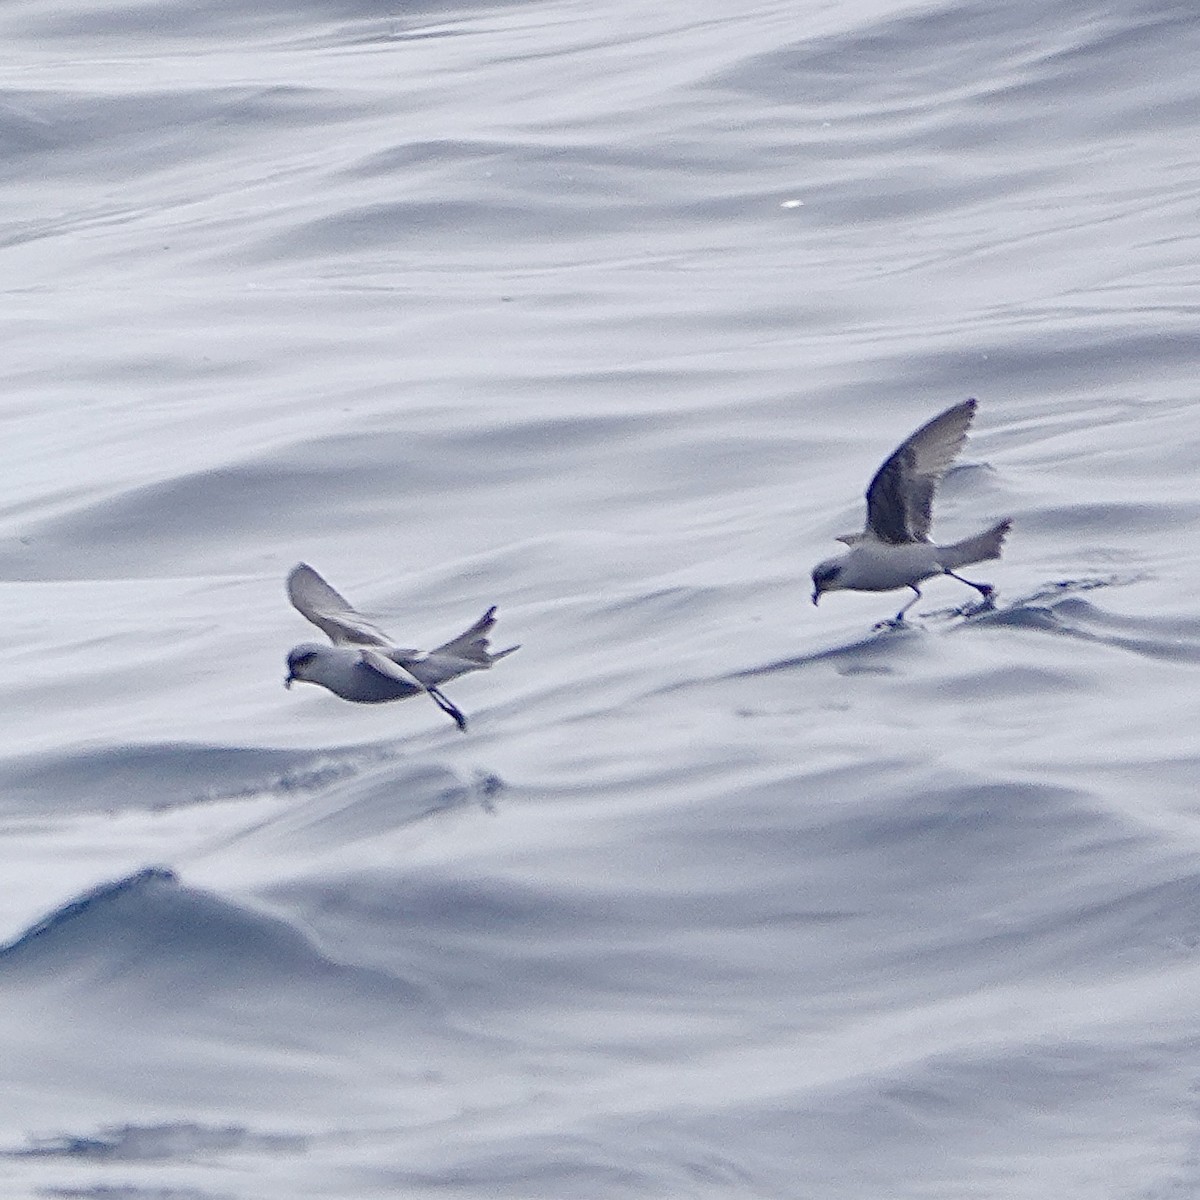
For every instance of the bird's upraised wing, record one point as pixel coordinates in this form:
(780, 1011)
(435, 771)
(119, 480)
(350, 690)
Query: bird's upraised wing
(317, 602)
(900, 498)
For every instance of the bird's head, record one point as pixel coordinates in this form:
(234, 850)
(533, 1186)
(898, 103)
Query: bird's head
(826, 577)
(300, 661)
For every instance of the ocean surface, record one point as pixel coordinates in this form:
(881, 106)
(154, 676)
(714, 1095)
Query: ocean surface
(603, 313)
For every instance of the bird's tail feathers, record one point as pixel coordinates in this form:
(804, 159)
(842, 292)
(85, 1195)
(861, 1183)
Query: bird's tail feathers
(981, 548)
(471, 646)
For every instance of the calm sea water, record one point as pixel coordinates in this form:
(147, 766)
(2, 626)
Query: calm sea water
(604, 314)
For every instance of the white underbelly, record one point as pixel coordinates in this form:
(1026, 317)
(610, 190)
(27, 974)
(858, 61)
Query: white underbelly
(881, 568)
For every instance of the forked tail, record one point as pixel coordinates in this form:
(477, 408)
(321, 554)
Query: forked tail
(980, 548)
(471, 646)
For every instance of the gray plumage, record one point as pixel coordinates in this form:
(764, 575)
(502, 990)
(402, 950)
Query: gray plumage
(363, 665)
(894, 550)
(900, 498)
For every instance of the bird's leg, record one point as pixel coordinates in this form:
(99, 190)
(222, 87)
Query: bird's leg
(984, 589)
(897, 621)
(916, 597)
(448, 708)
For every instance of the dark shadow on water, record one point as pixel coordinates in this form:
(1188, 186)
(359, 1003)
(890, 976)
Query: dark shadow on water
(105, 1191)
(869, 654)
(158, 1143)
(181, 1141)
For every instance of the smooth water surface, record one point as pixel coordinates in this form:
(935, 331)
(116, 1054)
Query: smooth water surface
(603, 314)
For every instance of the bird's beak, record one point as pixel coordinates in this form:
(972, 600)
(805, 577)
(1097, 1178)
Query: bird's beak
(287, 683)
(816, 597)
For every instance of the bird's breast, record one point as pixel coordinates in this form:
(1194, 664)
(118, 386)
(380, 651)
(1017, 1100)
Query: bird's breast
(879, 567)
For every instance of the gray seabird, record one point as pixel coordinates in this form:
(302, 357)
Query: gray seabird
(364, 665)
(894, 550)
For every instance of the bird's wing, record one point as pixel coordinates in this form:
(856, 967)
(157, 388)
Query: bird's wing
(900, 498)
(380, 662)
(316, 601)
